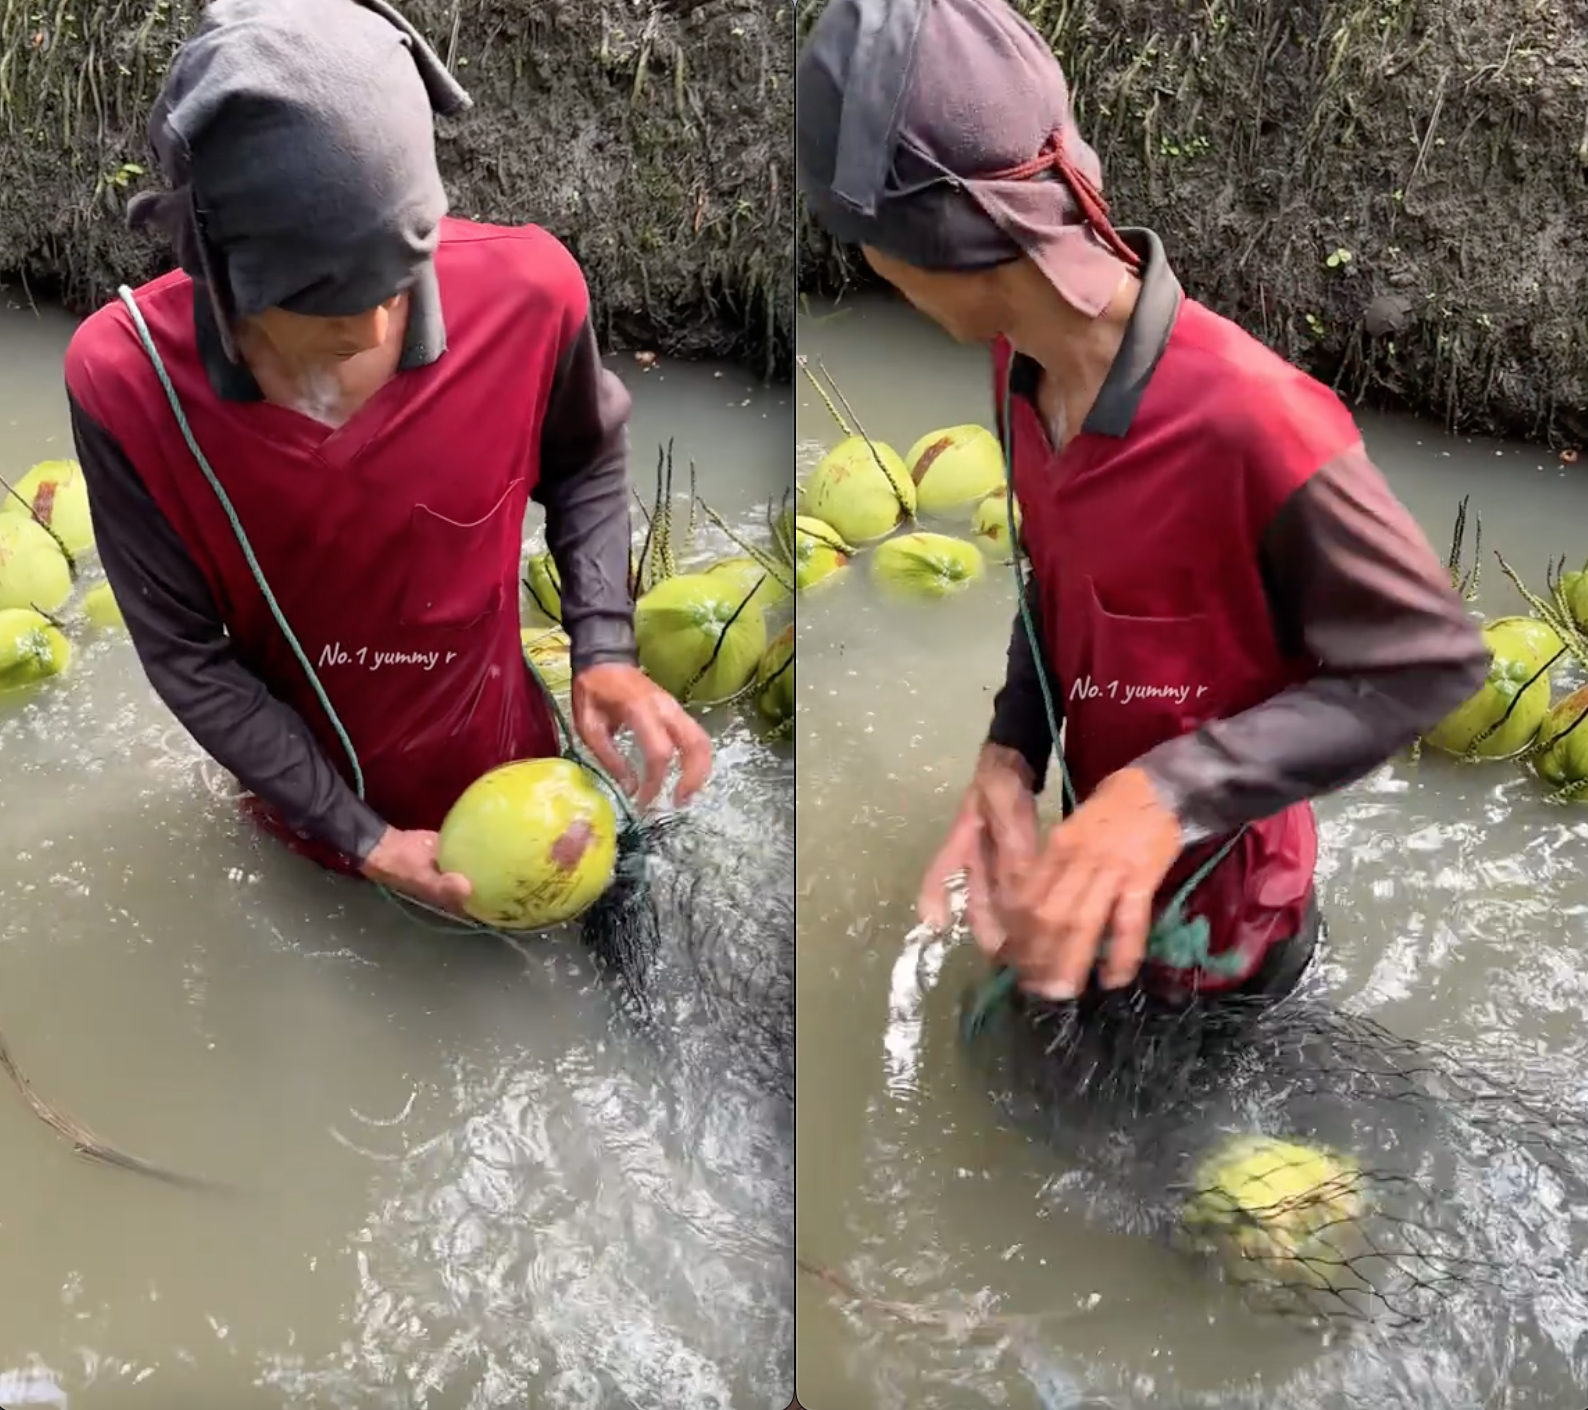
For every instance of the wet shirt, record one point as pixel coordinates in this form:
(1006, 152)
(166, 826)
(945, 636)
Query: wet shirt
(1371, 644)
(507, 399)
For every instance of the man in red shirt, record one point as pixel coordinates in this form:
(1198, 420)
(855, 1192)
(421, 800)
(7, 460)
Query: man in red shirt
(1231, 612)
(379, 391)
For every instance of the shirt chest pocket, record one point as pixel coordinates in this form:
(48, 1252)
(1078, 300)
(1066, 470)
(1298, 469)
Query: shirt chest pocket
(458, 574)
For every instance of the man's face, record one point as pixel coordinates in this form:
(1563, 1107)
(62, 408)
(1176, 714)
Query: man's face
(965, 306)
(304, 340)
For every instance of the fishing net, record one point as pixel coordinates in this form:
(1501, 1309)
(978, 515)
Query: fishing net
(1336, 1171)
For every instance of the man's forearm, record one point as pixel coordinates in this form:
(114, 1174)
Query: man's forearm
(188, 658)
(1353, 584)
(1020, 719)
(584, 488)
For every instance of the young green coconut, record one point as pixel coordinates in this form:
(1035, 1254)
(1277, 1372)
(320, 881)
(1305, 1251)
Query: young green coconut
(536, 838)
(1501, 719)
(34, 572)
(923, 565)
(820, 553)
(1277, 1211)
(32, 649)
(748, 575)
(101, 609)
(699, 635)
(547, 649)
(861, 486)
(955, 468)
(991, 528)
(1561, 755)
(54, 493)
(544, 586)
(774, 682)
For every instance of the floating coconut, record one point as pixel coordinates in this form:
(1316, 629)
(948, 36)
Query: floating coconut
(536, 838)
(544, 585)
(774, 679)
(101, 608)
(547, 649)
(33, 570)
(32, 649)
(820, 552)
(1574, 596)
(926, 565)
(54, 493)
(1563, 741)
(990, 524)
(862, 489)
(748, 576)
(1518, 649)
(954, 468)
(698, 637)
(1278, 1210)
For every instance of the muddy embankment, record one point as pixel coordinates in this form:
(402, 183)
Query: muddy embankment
(1393, 193)
(653, 138)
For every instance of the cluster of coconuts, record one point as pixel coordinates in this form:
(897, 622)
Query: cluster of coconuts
(45, 534)
(703, 634)
(862, 492)
(1515, 712)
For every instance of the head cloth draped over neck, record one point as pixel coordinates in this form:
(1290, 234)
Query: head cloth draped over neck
(940, 132)
(299, 138)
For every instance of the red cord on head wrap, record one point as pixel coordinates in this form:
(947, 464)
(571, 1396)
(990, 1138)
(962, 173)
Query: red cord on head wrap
(1053, 157)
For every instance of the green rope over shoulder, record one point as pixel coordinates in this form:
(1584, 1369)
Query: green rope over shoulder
(569, 747)
(1175, 940)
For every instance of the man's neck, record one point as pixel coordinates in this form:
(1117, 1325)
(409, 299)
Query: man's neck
(327, 392)
(1074, 352)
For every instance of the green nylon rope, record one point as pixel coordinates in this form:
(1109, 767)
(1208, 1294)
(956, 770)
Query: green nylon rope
(570, 751)
(1175, 939)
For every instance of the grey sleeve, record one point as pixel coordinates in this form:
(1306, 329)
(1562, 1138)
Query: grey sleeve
(1020, 719)
(584, 488)
(182, 642)
(1354, 587)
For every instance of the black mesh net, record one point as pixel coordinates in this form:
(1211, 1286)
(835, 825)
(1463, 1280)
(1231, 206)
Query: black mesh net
(698, 930)
(1334, 1169)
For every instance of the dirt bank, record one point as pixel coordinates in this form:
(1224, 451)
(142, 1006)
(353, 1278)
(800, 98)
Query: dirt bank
(652, 138)
(1392, 192)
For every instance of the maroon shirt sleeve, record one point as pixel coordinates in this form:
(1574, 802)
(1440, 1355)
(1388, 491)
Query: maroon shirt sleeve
(1352, 584)
(181, 640)
(584, 488)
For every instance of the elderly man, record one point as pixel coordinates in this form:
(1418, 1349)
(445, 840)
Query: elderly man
(378, 390)
(1231, 611)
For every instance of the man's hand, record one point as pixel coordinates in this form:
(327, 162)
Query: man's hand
(993, 838)
(1098, 872)
(610, 698)
(406, 862)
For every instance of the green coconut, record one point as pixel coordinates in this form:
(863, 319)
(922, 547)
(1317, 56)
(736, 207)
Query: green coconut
(32, 649)
(698, 638)
(748, 576)
(774, 679)
(954, 468)
(544, 586)
(1574, 588)
(1518, 650)
(926, 565)
(1563, 742)
(536, 838)
(55, 494)
(1292, 1210)
(862, 489)
(990, 524)
(33, 570)
(547, 649)
(101, 608)
(820, 552)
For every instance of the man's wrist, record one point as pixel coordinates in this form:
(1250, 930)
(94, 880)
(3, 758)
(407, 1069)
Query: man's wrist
(1005, 757)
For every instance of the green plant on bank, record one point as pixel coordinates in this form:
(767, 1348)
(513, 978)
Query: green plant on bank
(1338, 258)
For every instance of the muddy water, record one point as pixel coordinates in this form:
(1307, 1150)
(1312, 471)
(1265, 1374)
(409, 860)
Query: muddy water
(1456, 899)
(464, 1182)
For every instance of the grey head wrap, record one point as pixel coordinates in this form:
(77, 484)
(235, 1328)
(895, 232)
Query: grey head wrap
(299, 138)
(940, 132)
